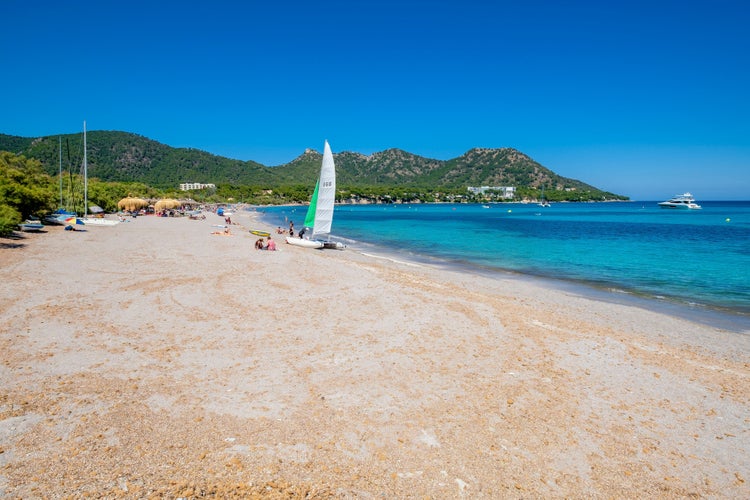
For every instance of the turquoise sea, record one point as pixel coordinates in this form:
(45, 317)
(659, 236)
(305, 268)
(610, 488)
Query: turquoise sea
(694, 259)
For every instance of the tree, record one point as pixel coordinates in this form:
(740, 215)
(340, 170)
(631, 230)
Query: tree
(24, 190)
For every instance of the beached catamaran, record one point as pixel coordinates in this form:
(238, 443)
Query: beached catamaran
(320, 212)
(59, 216)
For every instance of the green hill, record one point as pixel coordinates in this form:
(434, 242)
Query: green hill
(126, 157)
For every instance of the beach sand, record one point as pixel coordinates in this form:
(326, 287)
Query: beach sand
(155, 359)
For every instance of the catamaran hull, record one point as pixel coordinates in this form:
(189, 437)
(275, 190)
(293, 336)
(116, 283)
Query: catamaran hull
(334, 245)
(300, 242)
(100, 222)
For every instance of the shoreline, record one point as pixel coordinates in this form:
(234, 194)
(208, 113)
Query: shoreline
(708, 315)
(734, 320)
(170, 361)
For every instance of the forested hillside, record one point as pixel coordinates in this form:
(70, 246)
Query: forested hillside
(126, 157)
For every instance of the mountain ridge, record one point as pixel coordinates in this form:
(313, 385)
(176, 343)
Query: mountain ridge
(128, 157)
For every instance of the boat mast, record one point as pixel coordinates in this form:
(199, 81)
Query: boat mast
(85, 175)
(60, 169)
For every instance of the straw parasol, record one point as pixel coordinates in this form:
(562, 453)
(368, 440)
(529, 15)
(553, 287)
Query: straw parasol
(131, 204)
(166, 204)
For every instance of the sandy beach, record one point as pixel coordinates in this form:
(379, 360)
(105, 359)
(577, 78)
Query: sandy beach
(155, 359)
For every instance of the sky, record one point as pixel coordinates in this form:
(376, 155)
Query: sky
(641, 98)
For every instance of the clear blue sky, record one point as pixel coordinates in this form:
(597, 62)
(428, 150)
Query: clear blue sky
(642, 98)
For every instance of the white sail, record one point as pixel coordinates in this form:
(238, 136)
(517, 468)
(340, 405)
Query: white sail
(326, 194)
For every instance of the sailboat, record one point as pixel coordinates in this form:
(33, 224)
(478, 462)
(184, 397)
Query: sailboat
(319, 215)
(543, 202)
(59, 216)
(91, 221)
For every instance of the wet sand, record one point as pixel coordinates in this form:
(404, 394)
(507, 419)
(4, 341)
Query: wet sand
(154, 358)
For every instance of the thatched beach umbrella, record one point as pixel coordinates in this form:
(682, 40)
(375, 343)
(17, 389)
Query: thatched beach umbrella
(131, 204)
(166, 204)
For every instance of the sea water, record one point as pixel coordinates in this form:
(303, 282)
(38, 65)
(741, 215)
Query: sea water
(697, 258)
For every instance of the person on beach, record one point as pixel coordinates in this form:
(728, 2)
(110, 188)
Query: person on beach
(271, 245)
(302, 233)
(259, 244)
(291, 228)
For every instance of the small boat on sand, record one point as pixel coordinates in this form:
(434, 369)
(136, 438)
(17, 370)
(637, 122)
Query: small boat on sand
(31, 225)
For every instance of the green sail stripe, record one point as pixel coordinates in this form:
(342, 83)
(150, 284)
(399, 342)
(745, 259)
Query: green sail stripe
(310, 217)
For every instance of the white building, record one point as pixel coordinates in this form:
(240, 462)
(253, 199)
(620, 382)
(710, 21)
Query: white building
(507, 192)
(189, 186)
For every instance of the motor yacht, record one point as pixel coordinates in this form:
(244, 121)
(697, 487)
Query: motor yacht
(685, 200)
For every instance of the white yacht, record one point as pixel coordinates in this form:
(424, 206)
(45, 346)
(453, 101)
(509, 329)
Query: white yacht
(685, 200)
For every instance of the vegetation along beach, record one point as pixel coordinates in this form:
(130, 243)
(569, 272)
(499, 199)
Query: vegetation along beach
(154, 358)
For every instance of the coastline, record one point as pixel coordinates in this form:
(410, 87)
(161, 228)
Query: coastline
(172, 361)
(706, 314)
